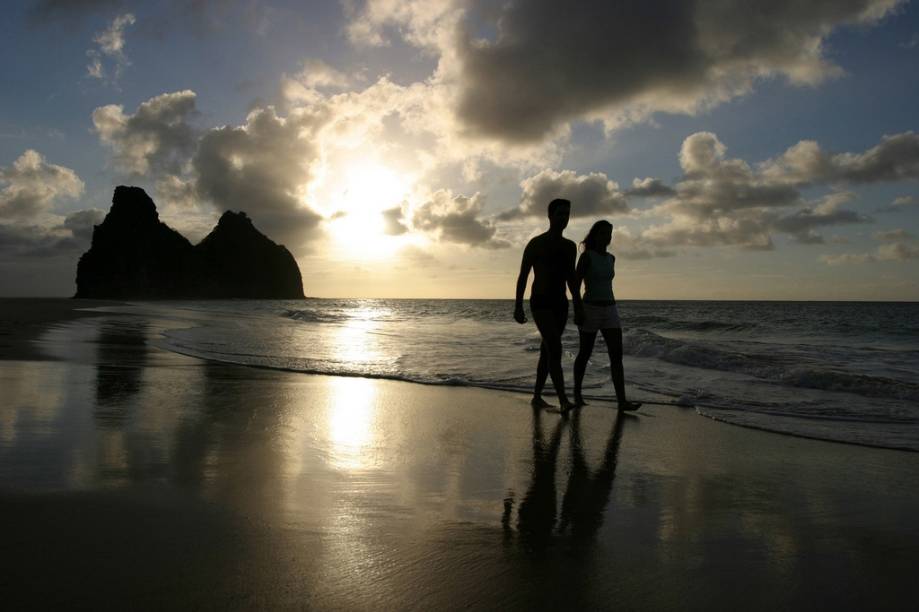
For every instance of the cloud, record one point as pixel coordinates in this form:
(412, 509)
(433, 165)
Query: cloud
(912, 43)
(156, 138)
(894, 235)
(31, 185)
(82, 223)
(648, 188)
(590, 194)
(897, 245)
(393, 223)
(895, 158)
(802, 223)
(31, 188)
(454, 218)
(315, 75)
(263, 167)
(521, 70)
(721, 201)
(899, 204)
(109, 48)
(628, 246)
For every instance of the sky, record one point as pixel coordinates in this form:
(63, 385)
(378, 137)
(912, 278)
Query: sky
(761, 149)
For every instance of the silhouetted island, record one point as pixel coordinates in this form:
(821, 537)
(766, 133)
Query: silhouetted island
(134, 255)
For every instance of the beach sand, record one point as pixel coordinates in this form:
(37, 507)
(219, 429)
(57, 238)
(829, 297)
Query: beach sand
(135, 478)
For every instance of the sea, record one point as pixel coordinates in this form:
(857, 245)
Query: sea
(840, 371)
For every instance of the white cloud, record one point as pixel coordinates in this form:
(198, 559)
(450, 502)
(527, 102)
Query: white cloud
(32, 185)
(110, 44)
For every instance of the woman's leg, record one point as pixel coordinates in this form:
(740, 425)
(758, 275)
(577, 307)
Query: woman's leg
(586, 348)
(613, 338)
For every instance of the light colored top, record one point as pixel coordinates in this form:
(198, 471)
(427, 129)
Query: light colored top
(598, 277)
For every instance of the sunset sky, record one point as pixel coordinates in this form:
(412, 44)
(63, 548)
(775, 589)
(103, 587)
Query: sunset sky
(743, 150)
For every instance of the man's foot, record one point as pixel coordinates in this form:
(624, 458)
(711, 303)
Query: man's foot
(629, 406)
(579, 401)
(538, 402)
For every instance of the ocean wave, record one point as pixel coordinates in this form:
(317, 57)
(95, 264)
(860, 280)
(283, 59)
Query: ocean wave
(314, 316)
(773, 367)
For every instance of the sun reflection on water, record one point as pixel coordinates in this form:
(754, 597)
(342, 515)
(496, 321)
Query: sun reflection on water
(351, 415)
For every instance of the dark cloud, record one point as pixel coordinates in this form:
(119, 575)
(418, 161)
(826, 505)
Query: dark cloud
(157, 138)
(454, 218)
(263, 168)
(393, 223)
(897, 245)
(648, 188)
(551, 62)
(590, 194)
(82, 222)
(801, 224)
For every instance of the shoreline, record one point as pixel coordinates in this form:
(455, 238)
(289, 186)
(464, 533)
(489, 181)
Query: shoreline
(134, 476)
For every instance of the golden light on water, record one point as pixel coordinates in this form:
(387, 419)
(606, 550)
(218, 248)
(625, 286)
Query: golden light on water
(351, 414)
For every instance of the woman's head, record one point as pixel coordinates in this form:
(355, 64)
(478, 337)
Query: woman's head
(599, 236)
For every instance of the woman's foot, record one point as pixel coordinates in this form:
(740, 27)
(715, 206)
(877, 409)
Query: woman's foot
(564, 406)
(578, 400)
(538, 402)
(629, 406)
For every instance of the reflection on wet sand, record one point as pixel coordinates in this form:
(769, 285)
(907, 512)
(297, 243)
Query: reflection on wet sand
(586, 494)
(348, 493)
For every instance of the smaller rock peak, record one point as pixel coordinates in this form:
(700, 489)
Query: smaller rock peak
(233, 220)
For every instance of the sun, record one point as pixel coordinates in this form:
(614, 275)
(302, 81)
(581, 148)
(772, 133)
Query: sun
(357, 194)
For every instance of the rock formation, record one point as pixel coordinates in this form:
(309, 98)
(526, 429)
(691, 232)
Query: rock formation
(134, 255)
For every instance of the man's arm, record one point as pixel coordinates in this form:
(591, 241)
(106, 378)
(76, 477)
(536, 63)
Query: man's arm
(525, 265)
(575, 277)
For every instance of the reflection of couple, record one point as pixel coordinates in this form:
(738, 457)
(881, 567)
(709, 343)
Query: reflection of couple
(551, 256)
(586, 493)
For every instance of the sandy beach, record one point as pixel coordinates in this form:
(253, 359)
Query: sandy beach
(136, 478)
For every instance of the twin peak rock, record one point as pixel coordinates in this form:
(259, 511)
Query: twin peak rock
(134, 255)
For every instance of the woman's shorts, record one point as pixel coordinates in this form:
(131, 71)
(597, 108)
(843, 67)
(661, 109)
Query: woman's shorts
(597, 317)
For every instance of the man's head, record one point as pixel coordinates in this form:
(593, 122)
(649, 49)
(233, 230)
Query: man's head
(559, 211)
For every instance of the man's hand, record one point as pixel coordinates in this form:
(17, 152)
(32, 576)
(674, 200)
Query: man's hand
(519, 315)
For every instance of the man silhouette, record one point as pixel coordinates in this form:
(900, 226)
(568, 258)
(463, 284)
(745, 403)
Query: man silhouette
(551, 257)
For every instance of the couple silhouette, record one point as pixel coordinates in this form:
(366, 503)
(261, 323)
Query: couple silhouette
(551, 257)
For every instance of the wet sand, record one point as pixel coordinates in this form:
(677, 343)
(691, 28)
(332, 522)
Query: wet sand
(131, 477)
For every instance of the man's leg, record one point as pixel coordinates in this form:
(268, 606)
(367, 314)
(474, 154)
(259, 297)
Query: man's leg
(547, 322)
(542, 371)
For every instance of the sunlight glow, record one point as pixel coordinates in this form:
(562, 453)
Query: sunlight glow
(358, 195)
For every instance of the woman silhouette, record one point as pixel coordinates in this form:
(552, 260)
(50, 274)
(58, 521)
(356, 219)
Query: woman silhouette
(596, 268)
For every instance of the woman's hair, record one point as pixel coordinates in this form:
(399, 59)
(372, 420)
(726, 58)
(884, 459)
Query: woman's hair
(590, 240)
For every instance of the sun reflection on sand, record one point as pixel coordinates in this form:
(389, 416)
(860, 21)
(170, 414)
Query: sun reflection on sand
(351, 415)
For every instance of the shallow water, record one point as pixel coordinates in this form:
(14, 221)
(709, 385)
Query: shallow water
(839, 371)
